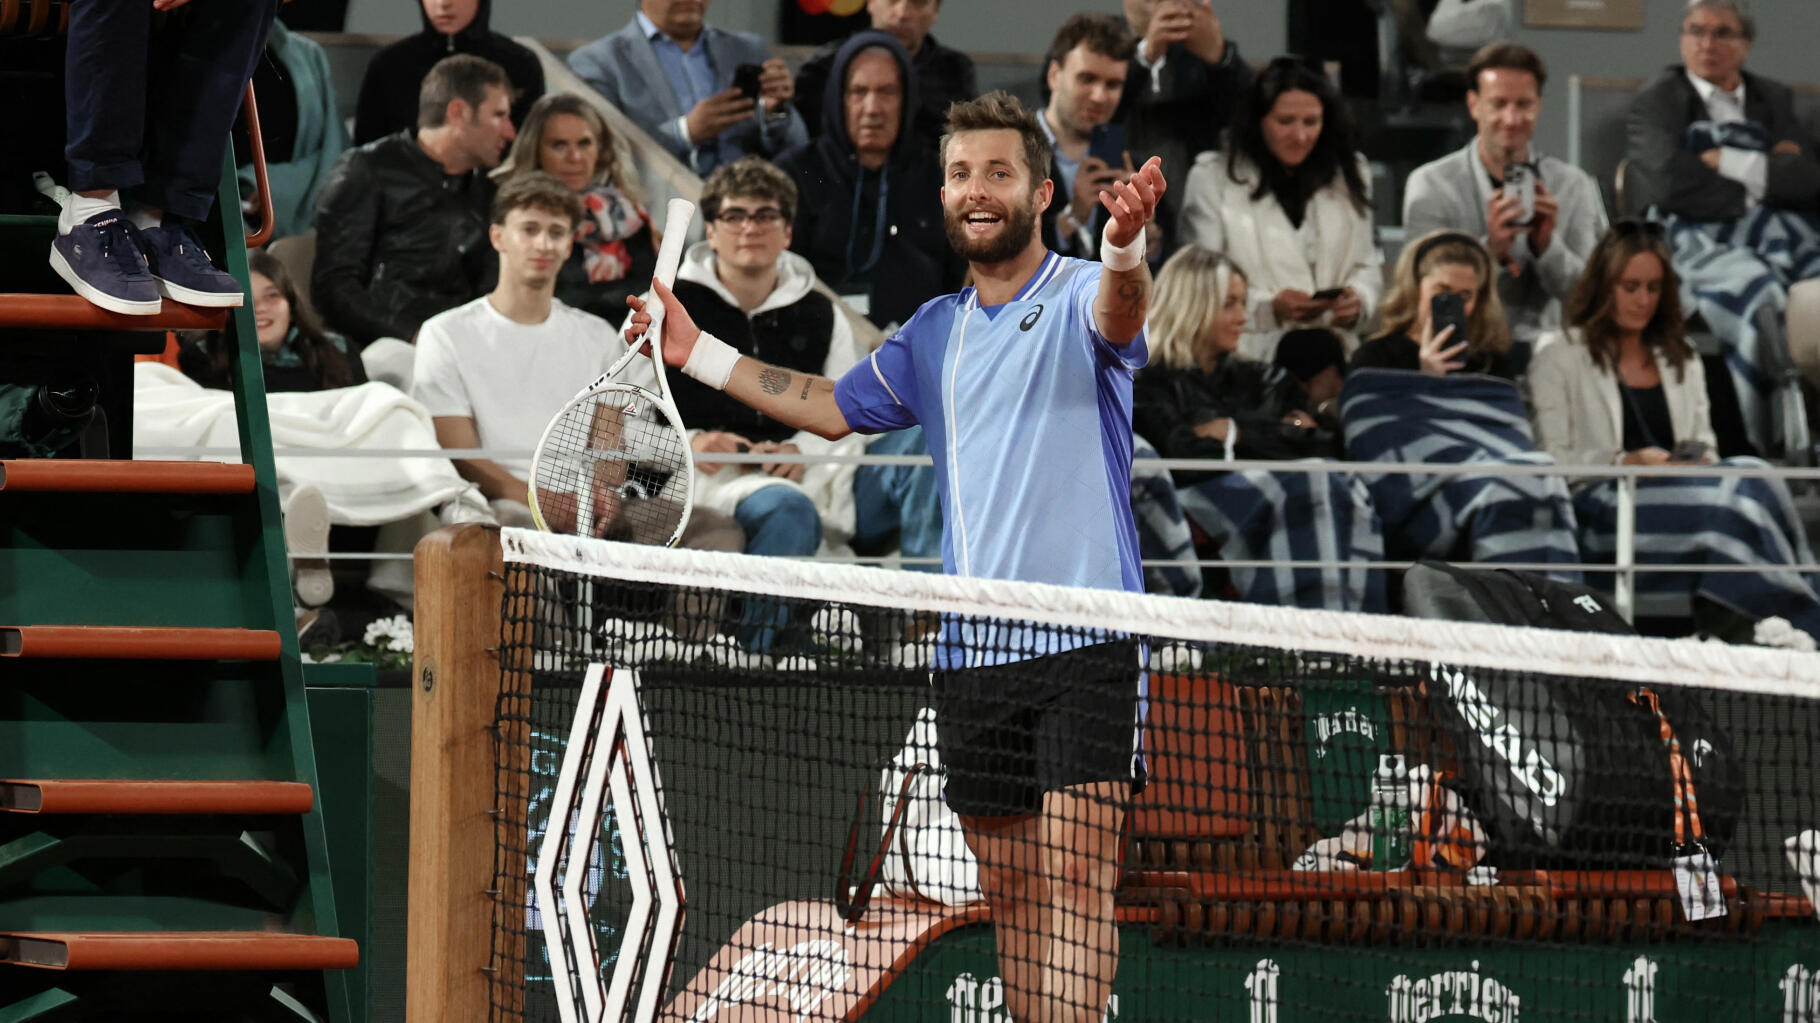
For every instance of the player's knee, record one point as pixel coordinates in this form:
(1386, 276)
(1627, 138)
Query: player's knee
(1009, 885)
(1083, 876)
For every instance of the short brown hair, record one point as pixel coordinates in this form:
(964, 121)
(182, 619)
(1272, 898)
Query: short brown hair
(1506, 56)
(749, 175)
(1103, 33)
(997, 111)
(537, 190)
(462, 77)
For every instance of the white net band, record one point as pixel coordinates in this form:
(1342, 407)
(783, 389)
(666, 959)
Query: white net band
(1621, 658)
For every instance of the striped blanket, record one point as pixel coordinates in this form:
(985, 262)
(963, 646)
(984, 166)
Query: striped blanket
(1291, 516)
(1165, 540)
(1260, 516)
(1736, 274)
(1400, 416)
(1698, 522)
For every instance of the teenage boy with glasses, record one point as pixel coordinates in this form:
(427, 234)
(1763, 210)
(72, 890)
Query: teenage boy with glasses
(746, 287)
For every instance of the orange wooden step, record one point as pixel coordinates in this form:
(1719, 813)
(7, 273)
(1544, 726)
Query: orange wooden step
(73, 312)
(123, 796)
(177, 950)
(128, 642)
(123, 476)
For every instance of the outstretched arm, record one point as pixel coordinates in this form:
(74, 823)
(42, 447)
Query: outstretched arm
(1124, 297)
(802, 400)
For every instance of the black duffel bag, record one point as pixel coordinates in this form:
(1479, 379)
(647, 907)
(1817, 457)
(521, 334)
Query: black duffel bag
(1572, 772)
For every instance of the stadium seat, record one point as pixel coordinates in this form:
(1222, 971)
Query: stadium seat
(1804, 329)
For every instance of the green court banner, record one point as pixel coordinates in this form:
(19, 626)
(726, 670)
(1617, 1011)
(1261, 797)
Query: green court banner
(1774, 978)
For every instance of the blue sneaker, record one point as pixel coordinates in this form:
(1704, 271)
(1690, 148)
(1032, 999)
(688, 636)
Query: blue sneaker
(100, 259)
(183, 271)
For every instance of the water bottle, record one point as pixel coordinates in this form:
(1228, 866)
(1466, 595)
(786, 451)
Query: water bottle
(1390, 814)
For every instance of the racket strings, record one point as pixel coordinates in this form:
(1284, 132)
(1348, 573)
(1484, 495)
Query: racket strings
(619, 449)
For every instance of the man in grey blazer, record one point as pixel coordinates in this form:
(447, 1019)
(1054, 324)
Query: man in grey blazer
(674, 74)
(1708, 139)
(1539, 259)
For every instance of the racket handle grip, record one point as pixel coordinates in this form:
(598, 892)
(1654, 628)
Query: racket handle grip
(678, 217)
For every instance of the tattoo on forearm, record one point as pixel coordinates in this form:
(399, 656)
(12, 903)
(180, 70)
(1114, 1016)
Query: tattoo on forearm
(805, 395)
(773, 380)
(1131, 295)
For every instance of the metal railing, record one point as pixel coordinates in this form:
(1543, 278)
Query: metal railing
(1624, 567)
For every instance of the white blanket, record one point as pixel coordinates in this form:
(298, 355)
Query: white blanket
(171, 410)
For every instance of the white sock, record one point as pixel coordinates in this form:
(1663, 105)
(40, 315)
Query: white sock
(81, 207)
(144, 219)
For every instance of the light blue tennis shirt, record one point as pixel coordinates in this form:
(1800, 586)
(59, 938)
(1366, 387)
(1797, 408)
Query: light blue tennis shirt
(1027, 411)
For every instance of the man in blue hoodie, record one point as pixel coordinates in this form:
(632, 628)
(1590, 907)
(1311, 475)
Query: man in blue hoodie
(388, 90)
(874, 233)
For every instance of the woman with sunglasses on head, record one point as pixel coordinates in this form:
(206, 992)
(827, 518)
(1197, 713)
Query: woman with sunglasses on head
(1439, 265)
(1289, 203)
(1622, 385)
(615, 249)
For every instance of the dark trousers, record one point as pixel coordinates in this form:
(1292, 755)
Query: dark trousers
(153, 115)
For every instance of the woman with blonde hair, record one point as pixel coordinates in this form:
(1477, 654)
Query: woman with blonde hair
(1622, 385)
(1199, 398)
(615, 249)
(1441, 263)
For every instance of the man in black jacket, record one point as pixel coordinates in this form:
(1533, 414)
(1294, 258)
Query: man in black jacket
(1180, 92)
(875, 232)
(1708, 139)
(388, 90)
(401, 223)
(943, 76)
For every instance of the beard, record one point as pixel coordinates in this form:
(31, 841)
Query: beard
(1014, 234)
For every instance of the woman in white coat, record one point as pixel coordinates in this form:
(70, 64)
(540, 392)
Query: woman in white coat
(1622, 385)
(1289, 203)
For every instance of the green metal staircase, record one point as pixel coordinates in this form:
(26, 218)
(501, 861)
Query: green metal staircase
(162, 849)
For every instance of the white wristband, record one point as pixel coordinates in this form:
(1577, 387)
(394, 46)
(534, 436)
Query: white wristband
(1121, 257)
(711, 361)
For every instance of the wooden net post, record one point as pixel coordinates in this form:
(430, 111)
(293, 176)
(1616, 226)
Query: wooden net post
(460, 588)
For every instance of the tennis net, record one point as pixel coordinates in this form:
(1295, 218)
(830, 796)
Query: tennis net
(1340, 816)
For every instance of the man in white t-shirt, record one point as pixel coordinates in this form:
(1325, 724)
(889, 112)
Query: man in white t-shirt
(494, 371)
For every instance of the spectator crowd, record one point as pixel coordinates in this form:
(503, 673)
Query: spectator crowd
(476, 236)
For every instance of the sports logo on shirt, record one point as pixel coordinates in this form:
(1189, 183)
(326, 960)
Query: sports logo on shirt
(1031, 317)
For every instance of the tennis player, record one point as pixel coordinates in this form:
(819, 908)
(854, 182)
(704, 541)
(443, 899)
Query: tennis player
(1022, 384)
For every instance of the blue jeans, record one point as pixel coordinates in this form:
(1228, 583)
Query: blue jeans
(158, 116)
(780, 522)
(898, 502)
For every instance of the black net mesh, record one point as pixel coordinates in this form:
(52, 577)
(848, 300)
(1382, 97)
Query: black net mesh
(1313, 836)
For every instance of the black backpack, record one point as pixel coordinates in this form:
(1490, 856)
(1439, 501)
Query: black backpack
(1569, 772)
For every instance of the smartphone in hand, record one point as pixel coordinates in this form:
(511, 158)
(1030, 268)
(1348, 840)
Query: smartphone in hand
(1520, 183)
(1448, 310)
(1689, 451)
(1328, 294)
(1107, 143)
(746, 78)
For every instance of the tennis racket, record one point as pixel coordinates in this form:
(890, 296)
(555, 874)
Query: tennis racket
(615, 462)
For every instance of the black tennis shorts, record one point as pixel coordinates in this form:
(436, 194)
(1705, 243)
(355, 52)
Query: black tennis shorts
(1011, 732)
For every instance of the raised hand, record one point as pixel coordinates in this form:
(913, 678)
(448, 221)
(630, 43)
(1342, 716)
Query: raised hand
(716, 114)
(1437, 356)
(1133, 202)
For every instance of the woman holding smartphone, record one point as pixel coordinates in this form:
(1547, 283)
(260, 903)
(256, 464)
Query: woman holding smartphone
(1289, 203)
(1443, 314)
(1622, 385)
